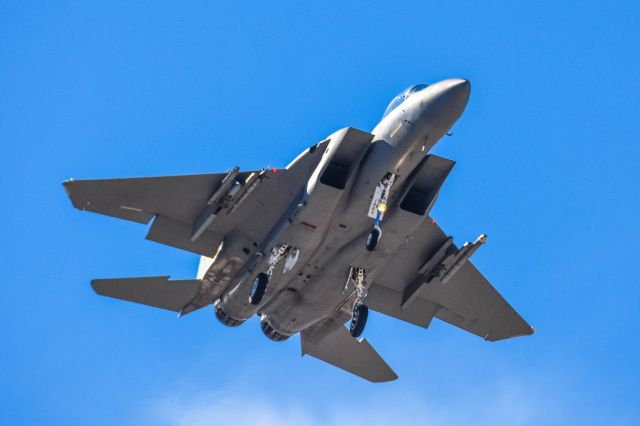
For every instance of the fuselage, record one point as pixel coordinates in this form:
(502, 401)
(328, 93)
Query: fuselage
(314, 287)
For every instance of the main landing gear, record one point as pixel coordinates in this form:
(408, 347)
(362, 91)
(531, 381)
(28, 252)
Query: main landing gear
(358, 320)
(259, 287)
(377, 209)
(360, 311)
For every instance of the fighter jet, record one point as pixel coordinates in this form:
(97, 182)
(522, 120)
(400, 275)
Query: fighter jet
(311, 247)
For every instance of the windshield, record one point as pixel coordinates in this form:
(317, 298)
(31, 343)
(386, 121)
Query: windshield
(403, 96)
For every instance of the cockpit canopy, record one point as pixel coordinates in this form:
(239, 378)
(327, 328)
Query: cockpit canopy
(403, 96)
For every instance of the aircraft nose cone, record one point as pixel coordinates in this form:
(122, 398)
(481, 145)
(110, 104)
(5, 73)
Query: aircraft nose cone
(458, 92)
(449, 100)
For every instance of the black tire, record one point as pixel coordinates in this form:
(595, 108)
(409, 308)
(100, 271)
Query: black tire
(359, 320)
(373, 238)
(258, 288)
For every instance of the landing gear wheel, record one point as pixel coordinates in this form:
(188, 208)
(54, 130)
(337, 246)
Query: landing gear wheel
(359, 320)
(374, 236)
(258, 288)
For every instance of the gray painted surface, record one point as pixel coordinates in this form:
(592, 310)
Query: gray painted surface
(153, 291)
(317, 208)
(343, 351)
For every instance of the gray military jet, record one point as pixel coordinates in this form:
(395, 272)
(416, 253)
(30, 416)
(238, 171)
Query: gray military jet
(342, 229)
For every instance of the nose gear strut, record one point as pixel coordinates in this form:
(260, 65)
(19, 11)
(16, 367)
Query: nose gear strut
(377, 209)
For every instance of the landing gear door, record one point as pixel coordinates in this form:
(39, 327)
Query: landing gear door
(380, 196)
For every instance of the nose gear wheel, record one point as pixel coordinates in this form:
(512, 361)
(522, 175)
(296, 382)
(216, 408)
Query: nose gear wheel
(374, 236)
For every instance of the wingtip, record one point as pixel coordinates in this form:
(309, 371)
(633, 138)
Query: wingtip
(529, 332)
(390, 377)
(491, 337)
(66, 185)
(95, 285)
(98, 285)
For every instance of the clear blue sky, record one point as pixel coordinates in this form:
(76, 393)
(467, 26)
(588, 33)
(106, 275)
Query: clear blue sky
(547, 164)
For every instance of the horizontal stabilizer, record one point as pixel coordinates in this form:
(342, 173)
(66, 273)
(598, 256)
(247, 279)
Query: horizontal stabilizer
(152, 291)
(345, 352)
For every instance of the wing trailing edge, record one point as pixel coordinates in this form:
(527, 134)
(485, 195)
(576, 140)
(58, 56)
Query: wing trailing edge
(467, 300)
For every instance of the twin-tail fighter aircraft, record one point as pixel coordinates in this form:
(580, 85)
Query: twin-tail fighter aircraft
(308, 248)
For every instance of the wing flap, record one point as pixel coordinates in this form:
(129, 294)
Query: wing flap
(343, 351)
(152, 291)
(177, 234)
(389, 302)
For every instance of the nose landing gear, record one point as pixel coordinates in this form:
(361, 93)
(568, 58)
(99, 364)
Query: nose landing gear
(377, 209)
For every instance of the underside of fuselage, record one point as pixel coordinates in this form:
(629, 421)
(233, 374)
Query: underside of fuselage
(330, 229)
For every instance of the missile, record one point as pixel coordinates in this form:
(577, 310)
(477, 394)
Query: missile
(437, 258)
(231, 193)
(463, 255)
(427, 272)
(225, 185)
(249, 185)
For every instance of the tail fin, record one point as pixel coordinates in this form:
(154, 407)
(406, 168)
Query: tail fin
(152, 291)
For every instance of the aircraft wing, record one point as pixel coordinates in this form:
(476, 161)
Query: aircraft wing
(140, 199)
(467, 300)
(179, 205)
